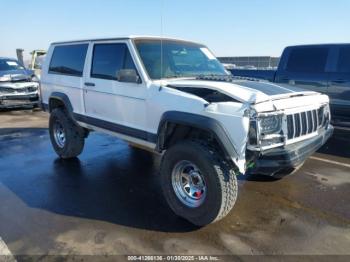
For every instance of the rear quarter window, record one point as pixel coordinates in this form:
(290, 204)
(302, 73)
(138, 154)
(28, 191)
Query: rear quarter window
(308, 60)
(68, 60)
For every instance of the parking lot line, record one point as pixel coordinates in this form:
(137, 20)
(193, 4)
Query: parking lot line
(330, 161)
(5, 253)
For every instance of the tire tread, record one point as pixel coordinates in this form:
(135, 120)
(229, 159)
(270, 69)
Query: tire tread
(227, 180)
(75, 135)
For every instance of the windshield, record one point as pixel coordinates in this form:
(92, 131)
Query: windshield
(180, 59)
(7, 65)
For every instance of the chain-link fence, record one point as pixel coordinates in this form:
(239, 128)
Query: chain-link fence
(251, 62)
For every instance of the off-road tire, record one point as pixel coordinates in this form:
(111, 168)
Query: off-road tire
(219, 177)
(75, 135)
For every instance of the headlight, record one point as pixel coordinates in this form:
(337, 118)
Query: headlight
(253, 135)
(327, 116)
(270, 124)
(5, 78)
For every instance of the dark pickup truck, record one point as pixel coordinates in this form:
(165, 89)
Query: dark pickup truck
(322, 68)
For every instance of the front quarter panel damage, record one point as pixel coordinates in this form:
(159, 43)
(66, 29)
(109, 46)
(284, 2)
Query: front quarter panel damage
(235, 121)
(230, 114)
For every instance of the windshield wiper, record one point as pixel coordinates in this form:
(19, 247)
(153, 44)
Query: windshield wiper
(178, 76)
(216, 77)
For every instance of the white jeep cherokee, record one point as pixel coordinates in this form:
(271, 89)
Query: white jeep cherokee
(174, 97)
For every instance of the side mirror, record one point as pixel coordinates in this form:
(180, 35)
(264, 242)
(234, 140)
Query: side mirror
(128, 76)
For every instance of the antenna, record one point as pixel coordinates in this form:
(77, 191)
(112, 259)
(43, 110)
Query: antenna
(161, 40)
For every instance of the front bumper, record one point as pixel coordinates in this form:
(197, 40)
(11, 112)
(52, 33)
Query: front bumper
(19, 100)
(279, 161)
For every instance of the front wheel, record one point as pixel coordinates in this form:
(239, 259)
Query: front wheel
(197, 183)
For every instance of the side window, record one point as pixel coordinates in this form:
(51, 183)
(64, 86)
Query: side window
(344, 60)
(68, 60)
(308, 60)
(108, 59)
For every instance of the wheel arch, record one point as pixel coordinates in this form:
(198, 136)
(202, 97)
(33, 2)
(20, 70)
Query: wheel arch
(58, 99)
(192, 121)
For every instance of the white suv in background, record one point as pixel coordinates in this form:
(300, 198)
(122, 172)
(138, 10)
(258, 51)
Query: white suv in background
(174, 97)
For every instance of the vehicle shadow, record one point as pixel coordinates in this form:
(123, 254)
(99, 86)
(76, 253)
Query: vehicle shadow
(109, 182)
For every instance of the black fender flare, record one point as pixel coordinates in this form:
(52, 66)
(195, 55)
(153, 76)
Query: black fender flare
(198, 121)
(64, 99)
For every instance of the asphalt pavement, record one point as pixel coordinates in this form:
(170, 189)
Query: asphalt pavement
(109, 202)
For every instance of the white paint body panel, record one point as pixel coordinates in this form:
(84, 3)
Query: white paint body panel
(70, 85)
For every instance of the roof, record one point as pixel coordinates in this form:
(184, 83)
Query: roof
(123, 38)
(319, 45)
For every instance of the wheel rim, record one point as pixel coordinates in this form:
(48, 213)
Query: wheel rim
(188, 184)
(59, 134)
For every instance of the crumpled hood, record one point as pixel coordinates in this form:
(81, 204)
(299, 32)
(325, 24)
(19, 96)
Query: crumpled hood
(18, 79)
(245, 91)
(16, 75)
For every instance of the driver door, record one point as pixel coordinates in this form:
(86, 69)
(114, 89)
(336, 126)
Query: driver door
(111, 104)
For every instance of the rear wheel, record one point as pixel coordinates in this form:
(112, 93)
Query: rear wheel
(197, 183)
(67, 138)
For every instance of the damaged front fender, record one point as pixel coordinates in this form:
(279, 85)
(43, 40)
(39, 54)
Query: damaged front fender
(205, 123)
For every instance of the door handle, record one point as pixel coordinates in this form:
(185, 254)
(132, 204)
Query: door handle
(89, 84)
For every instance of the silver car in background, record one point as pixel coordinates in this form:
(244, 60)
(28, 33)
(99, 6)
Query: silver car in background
(19, 86)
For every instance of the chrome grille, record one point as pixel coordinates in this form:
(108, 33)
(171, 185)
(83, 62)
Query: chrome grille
(7, 90)
(304, 123)
(17, 90)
